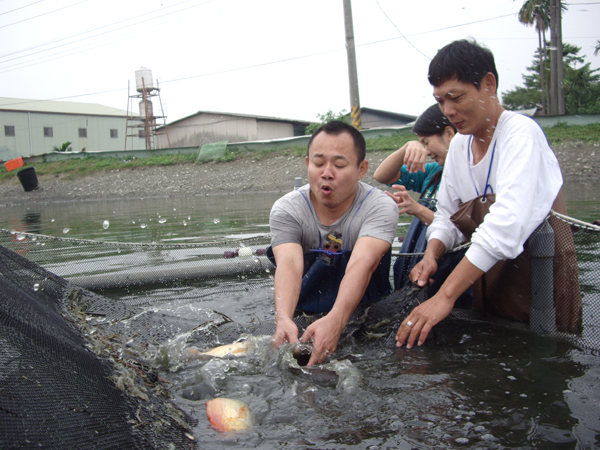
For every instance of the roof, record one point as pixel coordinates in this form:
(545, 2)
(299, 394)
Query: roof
(57, 107)
(251, 116)
(381, 112)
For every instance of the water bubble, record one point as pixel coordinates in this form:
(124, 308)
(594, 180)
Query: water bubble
(190, 218)
(51, 220)
(216, 220)
(118, 250)
(66, 230)
(20, 236)
(133, 222)
(162, 220)
(105, 224)
(184, 223)
(36, 287)
(143, 225)
(174, 209)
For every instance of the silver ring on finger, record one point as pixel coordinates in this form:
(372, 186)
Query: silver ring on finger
(410, 324)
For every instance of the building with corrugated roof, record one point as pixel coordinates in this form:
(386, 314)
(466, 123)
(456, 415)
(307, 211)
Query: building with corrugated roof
(209, 126)
(34, 127)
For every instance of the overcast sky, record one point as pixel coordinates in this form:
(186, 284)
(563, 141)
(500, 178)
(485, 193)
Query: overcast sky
(279, 58)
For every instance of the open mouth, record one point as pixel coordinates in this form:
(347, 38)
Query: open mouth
(326, 189)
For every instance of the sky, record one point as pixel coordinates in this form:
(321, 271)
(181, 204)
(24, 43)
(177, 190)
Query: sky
(276, 58)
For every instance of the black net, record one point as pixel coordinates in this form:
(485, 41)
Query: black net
(75, 337)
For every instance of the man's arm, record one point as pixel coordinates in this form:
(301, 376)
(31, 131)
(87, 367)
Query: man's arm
(326, 332)
(428, 314)
(287, 284)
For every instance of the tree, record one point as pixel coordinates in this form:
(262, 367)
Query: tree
(65, 147)
(539, 13)
(328, 117)
(582, 88)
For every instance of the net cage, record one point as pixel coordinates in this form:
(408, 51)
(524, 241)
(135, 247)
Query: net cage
(72, 357)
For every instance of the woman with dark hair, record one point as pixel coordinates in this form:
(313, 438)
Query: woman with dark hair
(405, 170)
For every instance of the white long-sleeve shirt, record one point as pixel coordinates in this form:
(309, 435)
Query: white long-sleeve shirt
(525, 176)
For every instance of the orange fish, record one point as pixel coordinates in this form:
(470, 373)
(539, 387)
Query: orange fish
(236, 349)
(227, 414)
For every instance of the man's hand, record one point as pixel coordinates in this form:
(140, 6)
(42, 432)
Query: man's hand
(422, 319)
(425, 316)
(285, 331)
(325, 334)
(421, 274)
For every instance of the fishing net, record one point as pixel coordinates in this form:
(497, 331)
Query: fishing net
(211, 151)
(76, 328)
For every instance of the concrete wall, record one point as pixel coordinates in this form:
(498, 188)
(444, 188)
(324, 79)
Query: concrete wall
(29, 139)
(578, 119)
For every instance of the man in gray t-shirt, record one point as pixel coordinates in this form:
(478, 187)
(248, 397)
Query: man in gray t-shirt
(331, 240)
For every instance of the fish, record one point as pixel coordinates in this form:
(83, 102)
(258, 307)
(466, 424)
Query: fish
(228, 414)
(236, 349)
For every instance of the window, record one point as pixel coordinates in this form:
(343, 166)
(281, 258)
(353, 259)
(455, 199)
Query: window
(9, 130)
(141, 134)
(48, 132)
(83, 132)
(114, 133)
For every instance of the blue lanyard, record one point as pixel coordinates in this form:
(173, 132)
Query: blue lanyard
(487, 185)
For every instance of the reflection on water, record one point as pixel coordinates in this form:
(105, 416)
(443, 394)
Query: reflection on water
(477, 385)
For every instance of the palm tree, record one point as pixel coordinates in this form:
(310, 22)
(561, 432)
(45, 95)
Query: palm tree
(537, 12)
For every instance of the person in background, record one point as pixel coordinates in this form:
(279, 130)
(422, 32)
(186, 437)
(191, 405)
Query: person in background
(501, 179)
(405, 170)
(331, 241)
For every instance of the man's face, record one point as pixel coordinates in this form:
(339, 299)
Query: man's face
(468, 108)
(333, 171)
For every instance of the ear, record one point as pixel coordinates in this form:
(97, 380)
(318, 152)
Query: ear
(489, 83)
(306, 161)
(449, 131)
(363, 168)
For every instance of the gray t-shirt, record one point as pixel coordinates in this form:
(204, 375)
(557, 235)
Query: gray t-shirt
(293, 219)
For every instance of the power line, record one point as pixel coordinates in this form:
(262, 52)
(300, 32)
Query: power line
(21, 7)
(43, 14)
(388, 18)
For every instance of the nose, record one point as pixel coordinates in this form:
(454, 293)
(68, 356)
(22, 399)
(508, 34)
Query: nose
(327, 172)
(448, 109)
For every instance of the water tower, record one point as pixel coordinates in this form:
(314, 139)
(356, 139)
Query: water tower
(143, 125)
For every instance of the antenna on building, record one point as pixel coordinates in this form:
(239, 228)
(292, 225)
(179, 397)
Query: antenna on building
(144, 125)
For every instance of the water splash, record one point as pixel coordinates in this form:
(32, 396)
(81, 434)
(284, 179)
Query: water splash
(105, 224)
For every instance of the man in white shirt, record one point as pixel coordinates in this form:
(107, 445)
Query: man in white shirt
(497, 152)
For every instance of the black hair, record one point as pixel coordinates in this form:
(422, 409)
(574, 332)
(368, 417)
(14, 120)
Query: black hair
(337, 127)
(432, 121)
(468, 61)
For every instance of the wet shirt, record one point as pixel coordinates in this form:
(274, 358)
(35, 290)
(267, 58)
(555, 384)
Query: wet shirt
(523, 173)
(372, 214)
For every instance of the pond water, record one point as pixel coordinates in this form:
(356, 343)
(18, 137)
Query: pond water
(476, 385)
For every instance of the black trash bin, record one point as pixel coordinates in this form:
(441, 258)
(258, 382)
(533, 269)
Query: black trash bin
(28, 179)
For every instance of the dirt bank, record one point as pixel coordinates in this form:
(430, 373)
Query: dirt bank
(270, 173)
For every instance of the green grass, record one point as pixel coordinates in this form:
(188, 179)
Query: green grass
(561, 132)
(75, 168)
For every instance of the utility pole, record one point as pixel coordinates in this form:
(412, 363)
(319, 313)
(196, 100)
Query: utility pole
(557, 92)
(352, 72)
